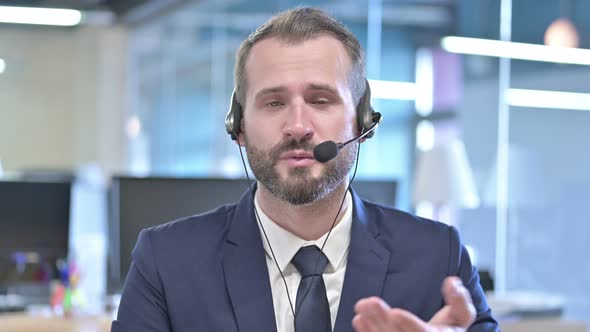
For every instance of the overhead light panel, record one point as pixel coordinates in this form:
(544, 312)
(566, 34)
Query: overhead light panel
(2, 65)
(424, 82)
(392, 90)
(41, 16)
(548, 99)
(521, 51)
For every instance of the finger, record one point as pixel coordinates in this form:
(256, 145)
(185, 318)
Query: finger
(448, 329)
(441, 317)
(373, 313)
(443, 323)
(406, 321)
(364, 324)
(461, 311)
(361, 324)
(371, 303)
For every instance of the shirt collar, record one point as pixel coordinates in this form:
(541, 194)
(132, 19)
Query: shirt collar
(286, 244)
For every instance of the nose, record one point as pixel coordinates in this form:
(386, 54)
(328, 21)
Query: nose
(298, 125)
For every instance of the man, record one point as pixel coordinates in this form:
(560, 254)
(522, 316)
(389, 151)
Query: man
(300, 252)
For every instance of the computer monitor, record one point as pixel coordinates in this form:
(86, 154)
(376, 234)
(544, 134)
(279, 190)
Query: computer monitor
(34, 217)
(34, 230)
(141, 202)
(377, 191)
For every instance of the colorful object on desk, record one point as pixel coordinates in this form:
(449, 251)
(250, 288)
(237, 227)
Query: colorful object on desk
(65, 296)
(57, 296)
(67, 301)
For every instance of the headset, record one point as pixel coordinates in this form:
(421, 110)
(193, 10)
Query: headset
(366, 116)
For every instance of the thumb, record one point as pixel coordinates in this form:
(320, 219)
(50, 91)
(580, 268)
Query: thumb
(459, 309)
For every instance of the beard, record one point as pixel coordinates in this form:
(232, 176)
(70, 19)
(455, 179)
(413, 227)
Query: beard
(299, 187)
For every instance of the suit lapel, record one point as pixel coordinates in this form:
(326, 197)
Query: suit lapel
(366, 267)
(246, 272)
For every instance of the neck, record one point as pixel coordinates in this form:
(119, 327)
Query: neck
(309, 221)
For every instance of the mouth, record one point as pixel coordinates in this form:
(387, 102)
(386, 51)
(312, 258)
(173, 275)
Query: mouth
(298, 158)
(297, 154)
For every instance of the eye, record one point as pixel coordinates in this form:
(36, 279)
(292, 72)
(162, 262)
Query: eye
(321, 101)
(274, 103)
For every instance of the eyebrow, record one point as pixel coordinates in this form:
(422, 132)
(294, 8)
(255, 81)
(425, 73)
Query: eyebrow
(324, 87)
(313, 86)
(266, 91)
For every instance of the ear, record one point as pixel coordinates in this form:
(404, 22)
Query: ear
(240, 139)
(359, 132)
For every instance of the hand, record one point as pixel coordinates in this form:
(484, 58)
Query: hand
(374, 315)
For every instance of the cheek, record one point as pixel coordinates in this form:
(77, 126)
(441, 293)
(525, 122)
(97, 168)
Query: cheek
(258, 134)
(349, 129)
(349, 124)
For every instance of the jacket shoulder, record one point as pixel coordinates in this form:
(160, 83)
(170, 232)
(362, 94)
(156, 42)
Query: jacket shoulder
(203, 229)
(390, 220)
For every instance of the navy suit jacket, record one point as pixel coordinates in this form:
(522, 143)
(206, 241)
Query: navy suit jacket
(208, 272)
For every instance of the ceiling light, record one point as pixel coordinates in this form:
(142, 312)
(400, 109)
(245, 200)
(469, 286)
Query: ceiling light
(42, 16)
(548, 99)
(521, 51)
(392, 90)
(562, 33)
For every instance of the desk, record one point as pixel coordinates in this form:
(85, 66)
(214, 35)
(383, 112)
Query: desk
(543, 325)
(21, 322)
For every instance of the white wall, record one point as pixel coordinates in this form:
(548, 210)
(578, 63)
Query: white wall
(62, 97)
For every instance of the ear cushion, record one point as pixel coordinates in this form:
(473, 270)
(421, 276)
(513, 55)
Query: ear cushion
(233, 118)
(365, 112)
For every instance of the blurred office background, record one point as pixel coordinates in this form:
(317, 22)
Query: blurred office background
(490, 138)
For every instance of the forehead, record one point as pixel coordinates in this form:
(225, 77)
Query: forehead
(272, 61)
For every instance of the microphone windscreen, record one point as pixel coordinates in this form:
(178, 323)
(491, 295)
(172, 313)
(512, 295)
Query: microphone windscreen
(325, 151)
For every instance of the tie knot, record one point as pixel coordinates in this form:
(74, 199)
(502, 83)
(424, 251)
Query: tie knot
(310, 261)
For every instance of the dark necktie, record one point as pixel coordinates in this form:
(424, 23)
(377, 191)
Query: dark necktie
(312, 313)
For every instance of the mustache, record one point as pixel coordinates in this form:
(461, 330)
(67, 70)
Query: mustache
(276, 151)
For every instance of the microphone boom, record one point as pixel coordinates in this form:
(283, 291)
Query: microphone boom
(328, 150)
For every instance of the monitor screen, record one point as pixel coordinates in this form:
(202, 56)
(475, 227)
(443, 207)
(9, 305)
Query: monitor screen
(34, 233)
(377, 191)
(138, 203)
(34, 217)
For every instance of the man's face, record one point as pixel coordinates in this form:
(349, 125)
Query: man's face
(298, 96)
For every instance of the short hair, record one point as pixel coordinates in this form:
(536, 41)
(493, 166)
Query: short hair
(298, 25)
